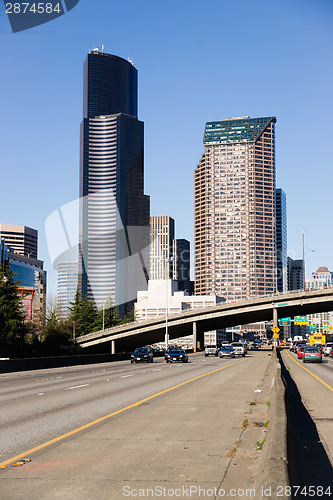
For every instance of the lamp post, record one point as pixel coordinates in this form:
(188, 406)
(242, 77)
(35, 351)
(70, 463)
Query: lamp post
(171, 259)
(304, 260)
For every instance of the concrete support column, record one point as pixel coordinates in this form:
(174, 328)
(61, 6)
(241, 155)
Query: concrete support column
(194, 330)
(113, 347)
(275, 317)
(200, 340)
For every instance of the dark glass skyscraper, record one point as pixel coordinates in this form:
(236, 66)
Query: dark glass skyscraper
(281, 240)
(114, 211)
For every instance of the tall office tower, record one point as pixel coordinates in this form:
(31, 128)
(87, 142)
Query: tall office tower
(235, 209)
(181, 264)
(295, 282)
(67, 273)
(295, 274)
(162, 233)
(23, 240)
(114, 212)
(281, 240)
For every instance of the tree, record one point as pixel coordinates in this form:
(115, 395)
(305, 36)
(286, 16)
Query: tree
(13, 330)
(84, 314)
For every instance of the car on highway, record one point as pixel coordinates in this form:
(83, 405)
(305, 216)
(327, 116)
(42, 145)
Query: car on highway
(176, 354)
(227, 351)
(300, 351)
(142, 354)
(312, 354)
(239, 348)
(328, 348)
(211, 350)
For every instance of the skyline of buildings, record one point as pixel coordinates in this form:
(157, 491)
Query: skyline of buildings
(240, 240)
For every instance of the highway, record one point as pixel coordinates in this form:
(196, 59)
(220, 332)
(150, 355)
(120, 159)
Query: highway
(188, 431)
(39, 406)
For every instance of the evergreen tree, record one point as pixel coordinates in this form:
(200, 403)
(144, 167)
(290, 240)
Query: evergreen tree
(12, 327)
(85, 315)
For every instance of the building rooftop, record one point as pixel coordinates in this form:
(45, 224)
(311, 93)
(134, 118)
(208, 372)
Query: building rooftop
(322, 270)
(243, 129)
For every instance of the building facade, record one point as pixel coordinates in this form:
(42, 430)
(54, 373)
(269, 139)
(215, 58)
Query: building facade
(162, 234)
(21, 239)
(67, 281)
(235, 209)
(181, 264)
(322, 278)
(114, 211)
(295, 282)
(281, 241)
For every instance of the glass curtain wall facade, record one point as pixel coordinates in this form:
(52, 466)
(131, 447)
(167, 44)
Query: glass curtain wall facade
(181, 264)
(281, 241)
(114, 211)
(235, 209)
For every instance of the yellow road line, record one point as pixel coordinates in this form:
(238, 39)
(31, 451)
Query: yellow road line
(94, 422)
(311, 373)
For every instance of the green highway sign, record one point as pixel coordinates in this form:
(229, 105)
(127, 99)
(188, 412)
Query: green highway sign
(313, 328)
(300, 320)
(284, 321)
(283, 304)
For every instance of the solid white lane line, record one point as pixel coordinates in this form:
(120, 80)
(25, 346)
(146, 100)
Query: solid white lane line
(125, 376)
(76, 387)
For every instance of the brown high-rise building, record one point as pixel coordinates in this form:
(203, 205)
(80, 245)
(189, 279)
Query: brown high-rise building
(23, 240)
(235, 209)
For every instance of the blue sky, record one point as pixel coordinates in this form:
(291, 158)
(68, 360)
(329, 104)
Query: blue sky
(197, 61)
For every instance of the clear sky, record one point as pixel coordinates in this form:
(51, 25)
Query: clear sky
(197, 61)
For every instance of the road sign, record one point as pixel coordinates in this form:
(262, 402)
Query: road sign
(283, 304)
(275, 336)
(330, 328)
(300, 320)
(284, 322)
(275, 329)
(313, 328)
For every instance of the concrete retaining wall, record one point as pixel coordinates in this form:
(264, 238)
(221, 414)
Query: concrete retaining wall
(273, 469)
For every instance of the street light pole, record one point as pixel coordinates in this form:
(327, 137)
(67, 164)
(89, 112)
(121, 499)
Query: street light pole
(304, 260)
(171, 259)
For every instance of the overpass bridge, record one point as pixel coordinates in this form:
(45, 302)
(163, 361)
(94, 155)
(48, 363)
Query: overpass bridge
(197, 321)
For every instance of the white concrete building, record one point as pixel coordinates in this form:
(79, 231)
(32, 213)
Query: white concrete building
(164, 295)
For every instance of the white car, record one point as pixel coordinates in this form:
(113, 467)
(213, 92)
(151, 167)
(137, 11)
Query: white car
(239, 348)
(328, 348)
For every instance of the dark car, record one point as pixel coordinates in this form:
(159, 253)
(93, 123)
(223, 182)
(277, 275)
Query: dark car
(176, 354)
(312, 354)
(227, 351)
(142, 354)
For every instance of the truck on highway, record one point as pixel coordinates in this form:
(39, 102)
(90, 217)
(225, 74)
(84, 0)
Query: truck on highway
(317, 339)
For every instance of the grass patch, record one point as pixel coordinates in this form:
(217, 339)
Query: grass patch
(269, 404)
(266, 423)
(245, 423)
(259, 444)
(253, 403)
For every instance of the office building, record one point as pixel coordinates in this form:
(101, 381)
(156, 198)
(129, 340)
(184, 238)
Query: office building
(21, 239)
(162, 234)
(67, 281)
(281, 241)
(181, 264)
(235, 209)
(295, 282)
(322, 278)
(114, 211)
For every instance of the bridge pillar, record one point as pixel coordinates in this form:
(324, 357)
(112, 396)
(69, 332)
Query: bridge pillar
(198, 338)
(113, 347)
(194, 330)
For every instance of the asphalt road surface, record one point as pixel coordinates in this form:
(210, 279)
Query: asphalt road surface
(39, 406)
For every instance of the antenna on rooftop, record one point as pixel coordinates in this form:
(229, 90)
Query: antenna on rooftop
(102, 48)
